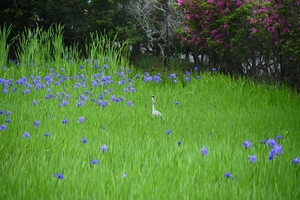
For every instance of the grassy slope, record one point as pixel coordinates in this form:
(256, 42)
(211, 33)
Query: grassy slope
(214, 112)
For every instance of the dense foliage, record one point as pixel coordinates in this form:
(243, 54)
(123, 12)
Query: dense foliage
(252, 37)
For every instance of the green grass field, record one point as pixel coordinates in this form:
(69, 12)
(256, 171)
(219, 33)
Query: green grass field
(147, 157)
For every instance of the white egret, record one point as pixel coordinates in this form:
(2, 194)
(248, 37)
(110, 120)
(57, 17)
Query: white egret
(155, 112)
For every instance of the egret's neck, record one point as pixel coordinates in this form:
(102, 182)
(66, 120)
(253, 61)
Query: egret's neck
(153, 107)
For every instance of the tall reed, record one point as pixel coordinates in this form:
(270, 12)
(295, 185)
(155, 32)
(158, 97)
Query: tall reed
(108, 51)
(39, 50)
(4, 45)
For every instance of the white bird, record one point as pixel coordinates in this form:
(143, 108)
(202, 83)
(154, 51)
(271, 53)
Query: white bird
(155, 112)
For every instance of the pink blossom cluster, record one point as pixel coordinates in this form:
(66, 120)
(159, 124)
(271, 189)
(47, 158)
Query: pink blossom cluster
(217, 23)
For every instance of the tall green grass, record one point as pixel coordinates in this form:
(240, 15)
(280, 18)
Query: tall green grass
(213, 111)
(38, 50)
(4, 44)
(113, 52)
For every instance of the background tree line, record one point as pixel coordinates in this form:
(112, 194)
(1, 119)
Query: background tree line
(259, 39)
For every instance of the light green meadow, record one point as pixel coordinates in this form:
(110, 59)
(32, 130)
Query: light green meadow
(214, 111)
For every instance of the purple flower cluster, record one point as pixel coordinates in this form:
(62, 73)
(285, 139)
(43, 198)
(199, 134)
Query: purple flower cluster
(187, 77)
(173, 78)
(129, 88)
(276, 147)
(7, 119)
(275, 151)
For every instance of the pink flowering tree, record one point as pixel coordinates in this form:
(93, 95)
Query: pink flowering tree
(279, 21)
(250, 36)
(218, 28)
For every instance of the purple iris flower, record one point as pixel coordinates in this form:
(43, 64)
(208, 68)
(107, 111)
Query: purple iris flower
(49, 96)
(246, 144)
(84, 140)
(271, 142)
(252, 159)
(114, 98)
(8, 113)
(103, 103)
(34, 102)
(67, 96)
(132, 89)
(122, 98)
(296, 160)
(228, 175)
(83, 97)
(263, 142)
(204, 150)
(3, 127)
(129, 103)
(26, 135)
(47, 134)
(276, 150)
(172, 76)
(187, 79)
(278, 137)
(103, 148)
(79, 104)
(94, 162)
(5, 91)
(36, 123)
(157, 78)
(80, 120)
(59, 176)
(65, 121)
(179, 143)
